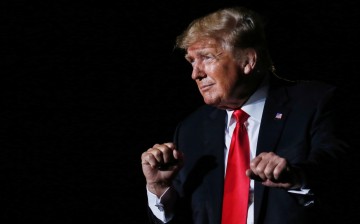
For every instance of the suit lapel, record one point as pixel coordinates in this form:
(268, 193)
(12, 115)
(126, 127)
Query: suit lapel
(274, 116)
(214, 127)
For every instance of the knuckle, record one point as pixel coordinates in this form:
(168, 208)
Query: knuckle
(252, 164)
(276, 173)
(283, 161)
(157, 153)
(271, 153)
(268, 172)
(258, 169)
(148, 157)
(262, 154)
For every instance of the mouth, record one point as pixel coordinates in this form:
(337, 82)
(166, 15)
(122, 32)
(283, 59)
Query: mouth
(205, 87)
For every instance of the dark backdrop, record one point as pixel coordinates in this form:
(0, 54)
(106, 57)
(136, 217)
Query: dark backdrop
(87, 86)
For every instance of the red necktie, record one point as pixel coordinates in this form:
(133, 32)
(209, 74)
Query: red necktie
(236, 188)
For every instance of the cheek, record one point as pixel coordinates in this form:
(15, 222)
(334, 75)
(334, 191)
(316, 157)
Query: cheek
(224, 76)
(214, 69)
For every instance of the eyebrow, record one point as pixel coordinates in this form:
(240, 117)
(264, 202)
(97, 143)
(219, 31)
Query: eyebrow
(187, 57)
(201, 52)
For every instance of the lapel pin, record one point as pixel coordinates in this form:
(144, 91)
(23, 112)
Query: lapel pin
(278, 116)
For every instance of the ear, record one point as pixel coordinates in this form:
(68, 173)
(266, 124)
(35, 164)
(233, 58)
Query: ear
(248, 60)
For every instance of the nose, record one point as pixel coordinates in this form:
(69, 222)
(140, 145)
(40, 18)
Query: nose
(197, 72)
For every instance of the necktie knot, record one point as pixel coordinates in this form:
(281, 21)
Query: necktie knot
(240, 116)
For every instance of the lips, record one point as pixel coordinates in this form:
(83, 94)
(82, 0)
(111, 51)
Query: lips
(205, 87)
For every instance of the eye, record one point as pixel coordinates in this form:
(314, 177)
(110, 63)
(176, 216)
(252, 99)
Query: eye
(189, 59)
(207, 57)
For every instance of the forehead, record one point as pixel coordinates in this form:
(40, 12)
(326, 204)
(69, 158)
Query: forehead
(204, 44)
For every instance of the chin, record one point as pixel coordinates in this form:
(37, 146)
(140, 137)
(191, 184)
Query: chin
(211, 101)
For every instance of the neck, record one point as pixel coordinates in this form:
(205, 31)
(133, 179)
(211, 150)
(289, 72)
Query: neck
(238, 102)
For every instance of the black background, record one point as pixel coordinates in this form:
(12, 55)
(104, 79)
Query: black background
(87, 86)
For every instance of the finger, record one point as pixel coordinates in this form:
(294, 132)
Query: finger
(280, 168)
(253, 176)
(254, 163)
(271, 168)
(171, 145)
(148, 158)
(270, 183)
(166, 152)
(275, 167)
(259, 167)
(179, 157)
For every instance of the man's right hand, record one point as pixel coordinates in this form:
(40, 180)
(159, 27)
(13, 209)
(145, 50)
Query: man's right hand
(160, 164)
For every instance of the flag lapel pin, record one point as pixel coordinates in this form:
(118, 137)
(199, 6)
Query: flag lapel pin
(278, 116)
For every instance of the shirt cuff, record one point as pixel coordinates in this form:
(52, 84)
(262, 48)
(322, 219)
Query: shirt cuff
(300, 191)
(162, 207)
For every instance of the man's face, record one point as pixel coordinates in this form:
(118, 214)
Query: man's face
(218, 75)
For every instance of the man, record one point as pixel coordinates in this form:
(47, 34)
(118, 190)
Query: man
(289, 128)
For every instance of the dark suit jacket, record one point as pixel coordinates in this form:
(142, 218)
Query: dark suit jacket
(305, 136)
